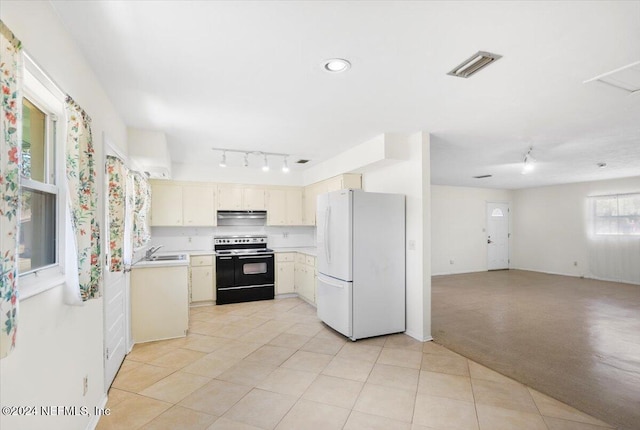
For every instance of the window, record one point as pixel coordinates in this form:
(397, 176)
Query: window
(617, 214)
(38, 190)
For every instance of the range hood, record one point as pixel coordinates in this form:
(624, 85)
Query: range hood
(235, 218)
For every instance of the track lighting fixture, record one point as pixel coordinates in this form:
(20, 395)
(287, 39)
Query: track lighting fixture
(528, 163)
(245, 158)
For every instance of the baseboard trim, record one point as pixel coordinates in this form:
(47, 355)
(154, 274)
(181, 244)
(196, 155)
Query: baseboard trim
(93, 422)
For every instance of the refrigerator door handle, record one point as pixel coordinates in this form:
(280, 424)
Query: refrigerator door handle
(328, 281)
(327, 235)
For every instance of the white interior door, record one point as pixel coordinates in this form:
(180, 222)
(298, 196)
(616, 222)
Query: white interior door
(498, 236)
(116, 299)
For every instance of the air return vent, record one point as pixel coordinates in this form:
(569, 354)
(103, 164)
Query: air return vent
(302, 161)
(482, 176)
(474, 64)
(625, 78)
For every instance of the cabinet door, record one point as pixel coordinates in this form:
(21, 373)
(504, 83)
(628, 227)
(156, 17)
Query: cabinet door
(298, 277)
(198, 206)
(254, 199)
(202, 283)
(285, 275)
(309, 202)
(229, 197)
(276, 207)
(294, 207)
(166, 205)
(334, 184)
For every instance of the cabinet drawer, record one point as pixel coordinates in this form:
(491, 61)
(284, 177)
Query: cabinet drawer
(300, 258)
(286, 256)
(310, 260)
(202, 260)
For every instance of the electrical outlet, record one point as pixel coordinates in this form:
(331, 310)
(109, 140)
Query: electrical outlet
(450, 261)
(412, 245)
(85, 385)
(575, 263)
(189, 239)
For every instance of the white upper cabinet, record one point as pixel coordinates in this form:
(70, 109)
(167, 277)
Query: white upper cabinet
(276, 207)
(294, 207)
(229, 197)
(166, 205)
(253, 199)
(237, 197)
(199, 205)
(284, 206)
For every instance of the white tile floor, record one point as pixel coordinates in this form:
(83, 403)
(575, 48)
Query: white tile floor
(274, 365)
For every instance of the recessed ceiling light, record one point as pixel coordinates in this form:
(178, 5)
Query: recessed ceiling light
(336, 65)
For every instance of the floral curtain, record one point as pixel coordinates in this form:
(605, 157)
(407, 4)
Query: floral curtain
(117, 175)
(11, 130)
(81, 179)
(142, 204)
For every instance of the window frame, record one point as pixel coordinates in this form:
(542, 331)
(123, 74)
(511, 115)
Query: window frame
(46, 96)
(617, 217)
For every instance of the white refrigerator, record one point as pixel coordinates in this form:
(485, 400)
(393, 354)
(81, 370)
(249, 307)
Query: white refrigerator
(361, 262)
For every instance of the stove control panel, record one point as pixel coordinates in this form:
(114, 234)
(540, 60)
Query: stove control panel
(239, 240)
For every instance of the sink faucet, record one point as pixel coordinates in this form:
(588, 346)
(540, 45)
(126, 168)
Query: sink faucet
(152, 251)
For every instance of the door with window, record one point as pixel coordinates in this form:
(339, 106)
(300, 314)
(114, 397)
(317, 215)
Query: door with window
(497, 236)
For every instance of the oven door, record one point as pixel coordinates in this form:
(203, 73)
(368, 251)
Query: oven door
(254, 270)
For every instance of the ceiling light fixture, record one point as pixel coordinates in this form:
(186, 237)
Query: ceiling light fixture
(474, 64)
(529, 161)
(602, 165)
(336, 65)
(246, 154)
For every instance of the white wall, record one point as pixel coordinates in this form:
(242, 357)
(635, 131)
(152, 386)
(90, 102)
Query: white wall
(201, 238)
(57, 345)
(239, 175)
(412, 177)
(550, 226)
(458, 227)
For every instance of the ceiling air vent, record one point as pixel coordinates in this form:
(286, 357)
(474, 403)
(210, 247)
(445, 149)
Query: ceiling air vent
(302, 161)
(482, 176)
(625, 78)
(474, 64)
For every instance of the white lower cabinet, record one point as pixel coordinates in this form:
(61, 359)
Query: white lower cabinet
(305, 277)
(159, 302)
(203, 279)
(285, 273)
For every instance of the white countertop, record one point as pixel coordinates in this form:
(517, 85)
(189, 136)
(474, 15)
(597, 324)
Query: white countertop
(308, 250)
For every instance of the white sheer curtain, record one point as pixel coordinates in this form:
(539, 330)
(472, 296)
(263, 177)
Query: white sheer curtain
(614, 238)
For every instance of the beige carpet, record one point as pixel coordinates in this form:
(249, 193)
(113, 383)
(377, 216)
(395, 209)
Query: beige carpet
(577, 340)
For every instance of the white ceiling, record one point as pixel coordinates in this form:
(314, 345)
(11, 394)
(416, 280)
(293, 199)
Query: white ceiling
(248, 76)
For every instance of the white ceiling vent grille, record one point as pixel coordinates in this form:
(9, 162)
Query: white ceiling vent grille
(474, 64)
(626, 78)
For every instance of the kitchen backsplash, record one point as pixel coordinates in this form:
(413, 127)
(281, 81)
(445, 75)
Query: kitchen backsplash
(201, 239)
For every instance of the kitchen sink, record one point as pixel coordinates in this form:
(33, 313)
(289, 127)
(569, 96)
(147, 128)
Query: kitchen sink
(173, 257)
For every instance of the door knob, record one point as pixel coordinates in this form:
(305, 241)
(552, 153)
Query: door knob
(489, 241)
